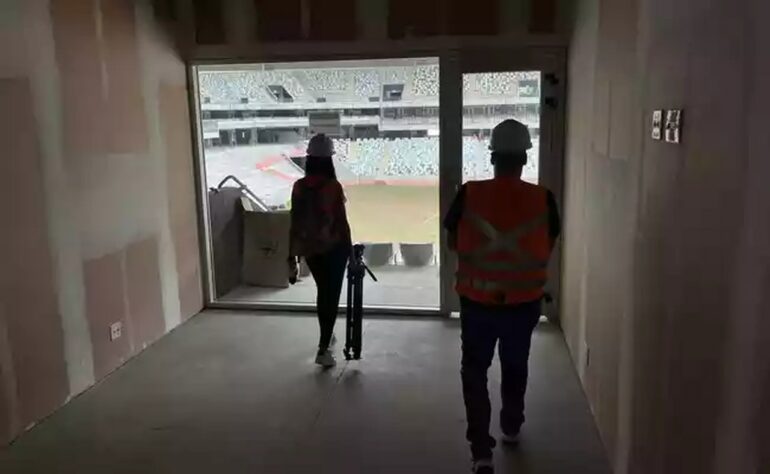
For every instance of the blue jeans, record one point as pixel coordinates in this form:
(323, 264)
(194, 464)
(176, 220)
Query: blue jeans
(482, 327)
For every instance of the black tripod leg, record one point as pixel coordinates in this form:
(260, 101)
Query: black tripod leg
(349, 322)
(358, 310)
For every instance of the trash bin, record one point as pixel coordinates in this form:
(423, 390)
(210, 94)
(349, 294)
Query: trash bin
(378, 254)
(416, 255)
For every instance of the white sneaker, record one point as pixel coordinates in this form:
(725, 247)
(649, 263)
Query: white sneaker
(510, 440)
(483, 466)
(326, 359)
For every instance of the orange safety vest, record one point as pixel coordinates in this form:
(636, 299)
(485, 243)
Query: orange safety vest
(503, 245)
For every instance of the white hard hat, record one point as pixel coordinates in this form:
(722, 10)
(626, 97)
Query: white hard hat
(320, 146)
(510, 136)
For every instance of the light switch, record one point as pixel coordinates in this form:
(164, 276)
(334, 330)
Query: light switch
(657, 124)
(674, 125)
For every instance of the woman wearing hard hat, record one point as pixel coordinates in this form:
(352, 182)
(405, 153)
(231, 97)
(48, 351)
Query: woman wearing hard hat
(321, 234)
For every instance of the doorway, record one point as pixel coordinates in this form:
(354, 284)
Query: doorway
(481, 89)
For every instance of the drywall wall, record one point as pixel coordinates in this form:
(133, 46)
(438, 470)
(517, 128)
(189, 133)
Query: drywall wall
(666, 246)
(98, 202)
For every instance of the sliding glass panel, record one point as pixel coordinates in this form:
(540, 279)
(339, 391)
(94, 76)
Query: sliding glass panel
(384, 118)
(488, 99)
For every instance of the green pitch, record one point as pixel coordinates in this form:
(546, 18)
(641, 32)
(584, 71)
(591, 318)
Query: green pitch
(383, 213)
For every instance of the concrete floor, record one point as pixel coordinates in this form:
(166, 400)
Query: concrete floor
(237, 393)
(397, 285)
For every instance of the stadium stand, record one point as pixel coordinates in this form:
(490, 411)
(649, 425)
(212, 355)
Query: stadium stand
(230, 87)
(270, 173)
(265, 164)
(309, 85)
(365, 159)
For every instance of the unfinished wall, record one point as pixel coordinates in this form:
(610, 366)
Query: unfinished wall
(667, 246)
(97, 199)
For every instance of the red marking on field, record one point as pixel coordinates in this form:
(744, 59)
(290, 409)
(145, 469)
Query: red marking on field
(273, 159)
(392, 182)
(269, 161)
(279, 174)
(266, 166)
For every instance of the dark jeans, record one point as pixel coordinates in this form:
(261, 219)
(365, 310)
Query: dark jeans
(482, 327)
(328, 270)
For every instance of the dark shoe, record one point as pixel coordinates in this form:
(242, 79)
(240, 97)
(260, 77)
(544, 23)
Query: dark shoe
(483, 466)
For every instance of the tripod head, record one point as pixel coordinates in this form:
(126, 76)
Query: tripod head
(357, 266)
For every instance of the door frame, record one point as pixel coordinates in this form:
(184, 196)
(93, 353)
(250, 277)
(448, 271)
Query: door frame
(454, 60)
(552, 65)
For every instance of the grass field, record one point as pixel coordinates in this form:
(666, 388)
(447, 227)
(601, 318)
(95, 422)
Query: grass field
(383, 213)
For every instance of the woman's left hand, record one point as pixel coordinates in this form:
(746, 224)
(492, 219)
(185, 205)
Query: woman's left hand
(293, 270)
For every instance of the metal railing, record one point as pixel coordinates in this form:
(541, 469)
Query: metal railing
(246, 192)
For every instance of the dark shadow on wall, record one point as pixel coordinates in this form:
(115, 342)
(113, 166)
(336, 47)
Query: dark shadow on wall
(762, 420)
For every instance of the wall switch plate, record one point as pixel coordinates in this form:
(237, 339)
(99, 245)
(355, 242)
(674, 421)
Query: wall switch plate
(116, 330)
(674, 125)
(657, 124)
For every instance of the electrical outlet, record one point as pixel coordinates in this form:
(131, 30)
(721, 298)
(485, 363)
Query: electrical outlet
(116, 330)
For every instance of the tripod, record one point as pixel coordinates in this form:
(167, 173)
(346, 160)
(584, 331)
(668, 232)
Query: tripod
(357, 270)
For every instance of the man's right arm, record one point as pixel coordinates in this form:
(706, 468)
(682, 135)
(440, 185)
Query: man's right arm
(554, 220)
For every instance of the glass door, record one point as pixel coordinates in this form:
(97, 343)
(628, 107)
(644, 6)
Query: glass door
(488, 99)
(493, 87)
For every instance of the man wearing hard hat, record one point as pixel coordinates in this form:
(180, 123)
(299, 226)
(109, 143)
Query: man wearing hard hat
(503, 230)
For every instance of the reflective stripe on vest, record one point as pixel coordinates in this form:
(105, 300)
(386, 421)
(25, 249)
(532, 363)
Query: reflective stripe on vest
(492, 286)
(506, 242)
